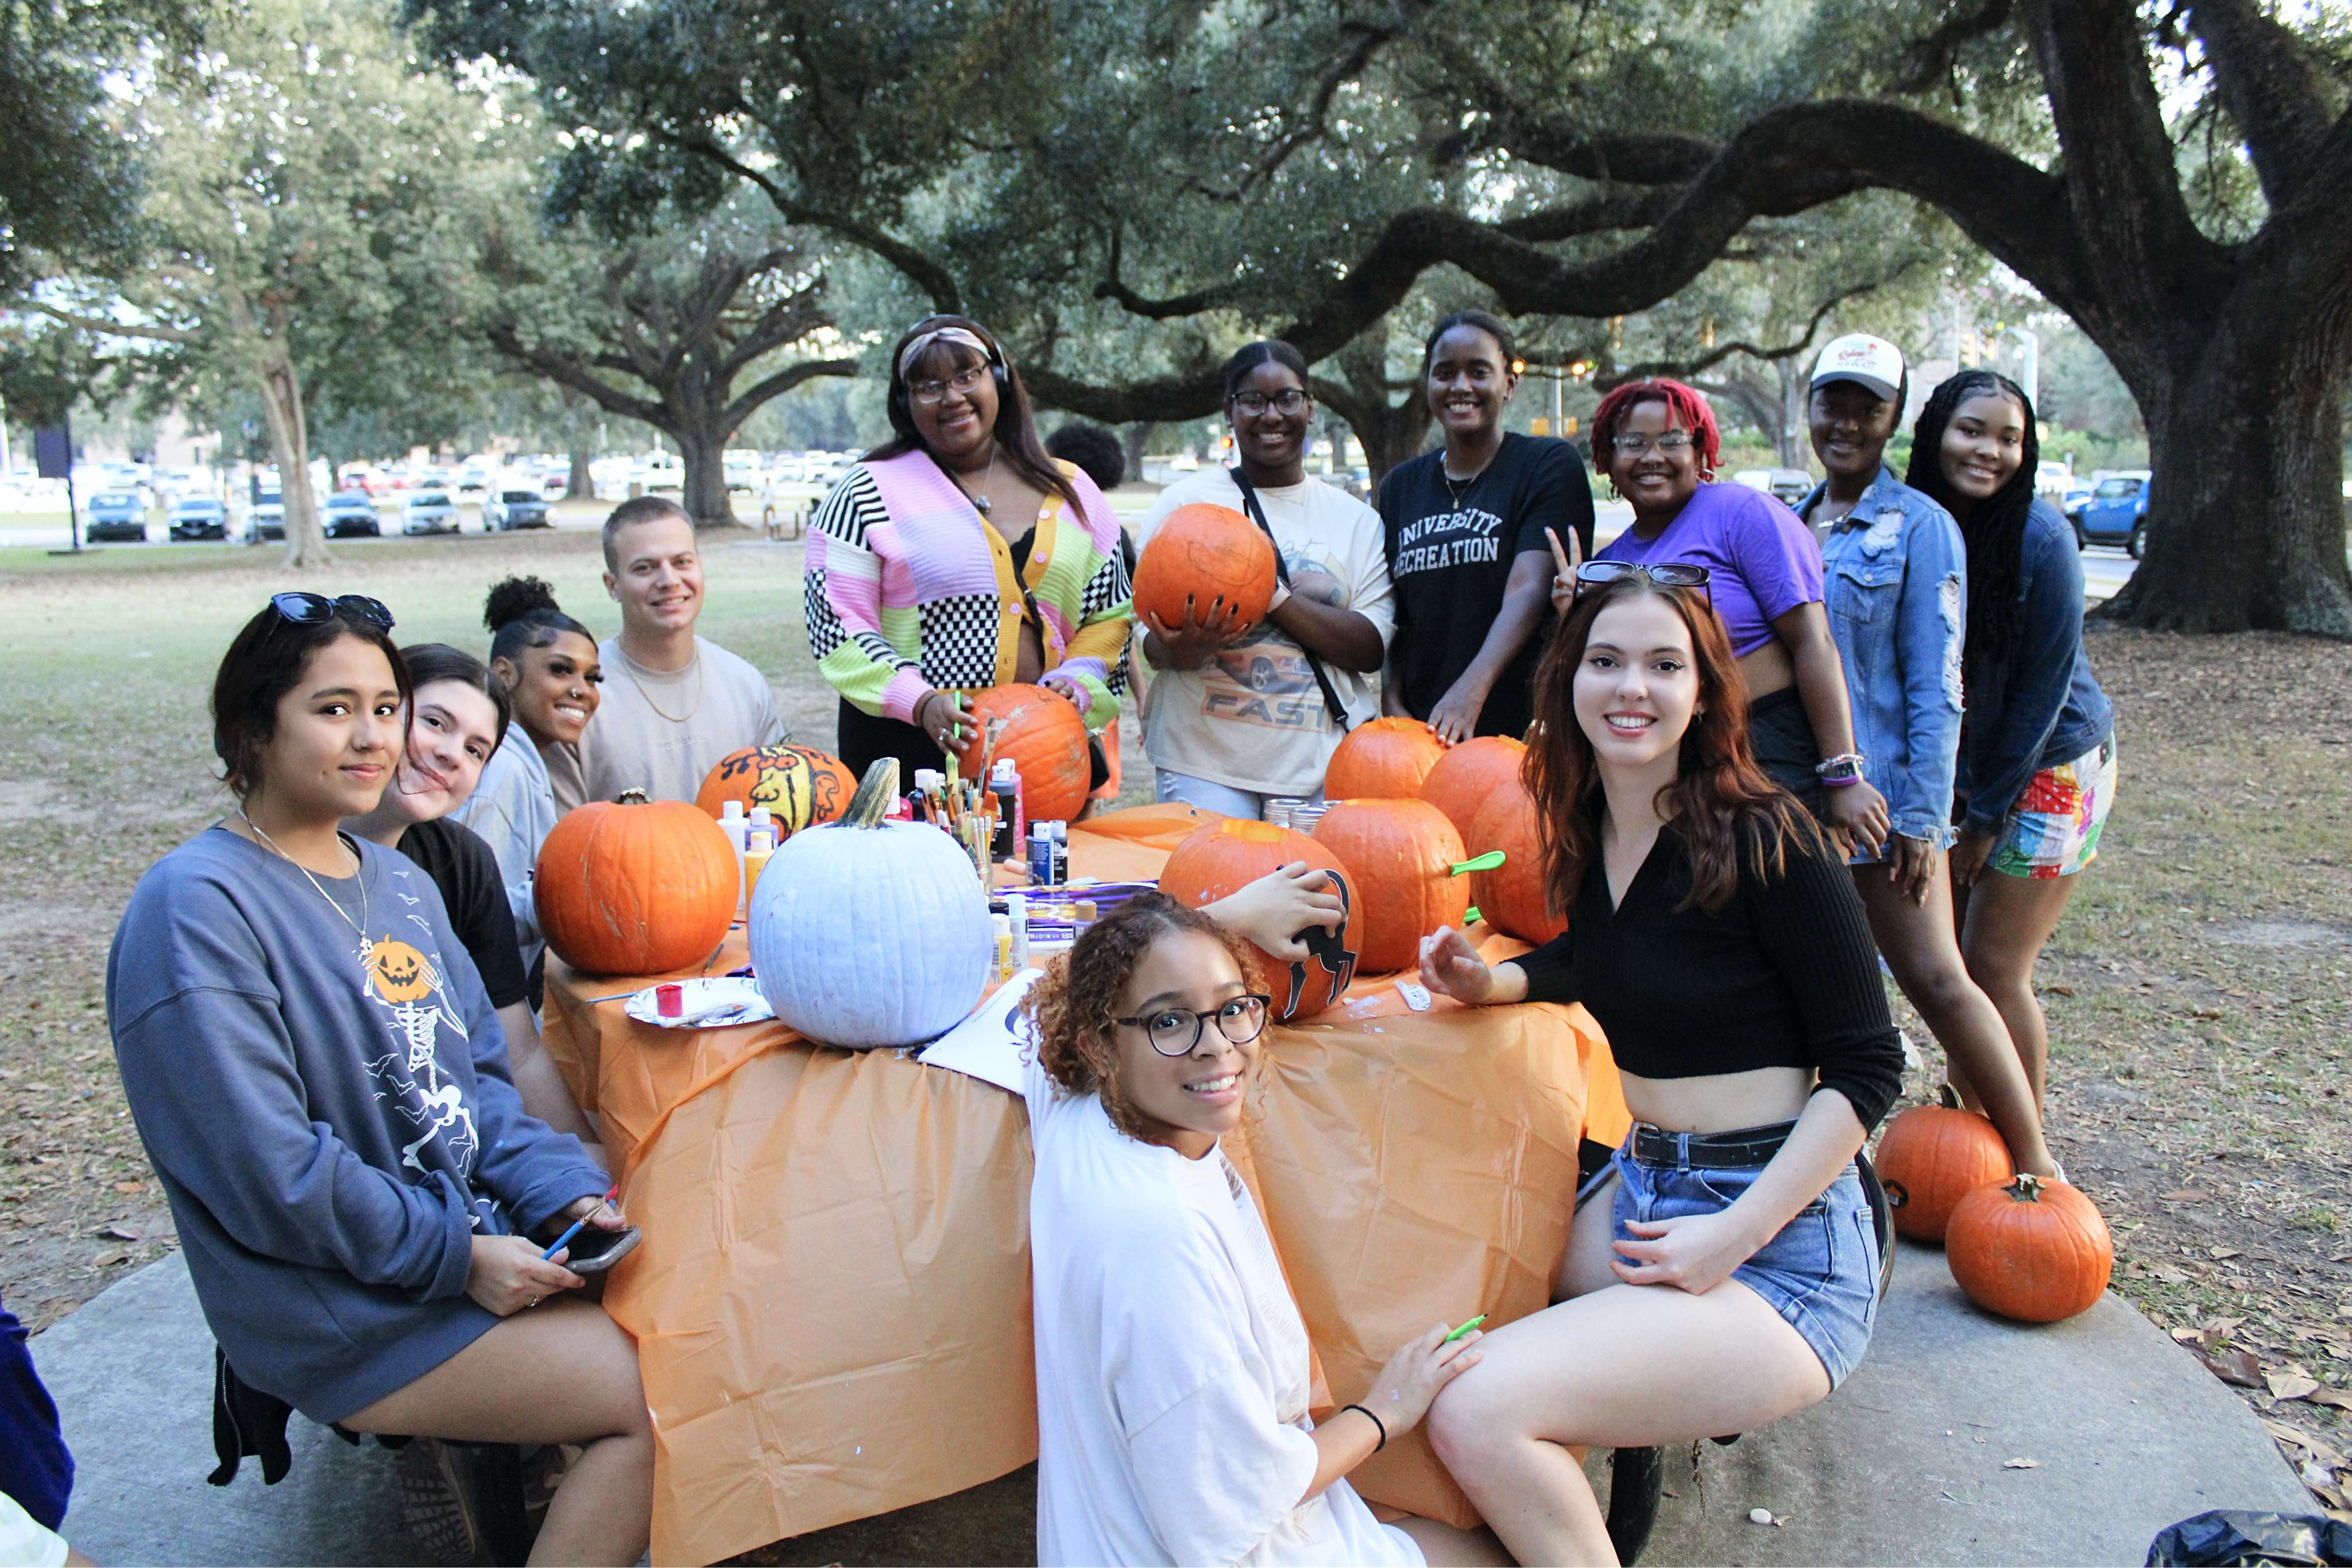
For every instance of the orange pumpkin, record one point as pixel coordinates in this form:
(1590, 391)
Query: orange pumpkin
(1203, 553)
(1402, 854)
(1513, 898)
(1471, 774)
(1221, 858)
(1932, 1156)
(634, 886)
(2031, 1249)
(799, 785)
(1044, 738)
(1385, 759)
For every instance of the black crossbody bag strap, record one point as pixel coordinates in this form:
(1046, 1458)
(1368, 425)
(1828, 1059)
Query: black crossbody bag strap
(1331, 703)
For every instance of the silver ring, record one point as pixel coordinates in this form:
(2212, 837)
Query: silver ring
(534, 1302)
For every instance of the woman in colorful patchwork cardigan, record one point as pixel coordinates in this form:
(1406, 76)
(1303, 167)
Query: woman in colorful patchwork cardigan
(958, 556)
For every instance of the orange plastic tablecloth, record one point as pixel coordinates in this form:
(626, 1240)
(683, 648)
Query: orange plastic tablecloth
(832, 1301)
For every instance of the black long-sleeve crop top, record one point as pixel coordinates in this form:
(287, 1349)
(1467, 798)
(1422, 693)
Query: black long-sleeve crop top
(1785, 976)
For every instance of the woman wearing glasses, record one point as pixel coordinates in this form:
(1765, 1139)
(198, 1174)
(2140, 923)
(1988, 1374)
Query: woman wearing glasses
(1657, 442)
(1238, 715)
(959, 556)
(321, 1084)
(1722, 1273)
(1172, 1365)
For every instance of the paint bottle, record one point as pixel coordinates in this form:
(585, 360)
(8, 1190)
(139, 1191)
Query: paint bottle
(1017, 916)
(1002, 925)
(763, 821)
(1082, 915)
(1012, 830)
(739, 833)
(755, 861)
(1045, 864)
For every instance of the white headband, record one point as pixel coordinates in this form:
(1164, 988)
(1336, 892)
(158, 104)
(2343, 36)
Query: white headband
(941, 335)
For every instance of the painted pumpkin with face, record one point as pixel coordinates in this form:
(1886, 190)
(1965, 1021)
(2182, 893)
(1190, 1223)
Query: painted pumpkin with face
(799, 785)
(400, 973)
(1228, 854)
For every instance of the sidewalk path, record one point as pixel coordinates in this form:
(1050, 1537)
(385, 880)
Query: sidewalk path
(1906, 1464)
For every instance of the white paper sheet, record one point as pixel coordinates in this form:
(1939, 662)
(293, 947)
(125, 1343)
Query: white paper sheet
(989, 1044)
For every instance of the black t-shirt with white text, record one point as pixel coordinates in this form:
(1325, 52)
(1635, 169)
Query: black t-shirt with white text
(1450, 563)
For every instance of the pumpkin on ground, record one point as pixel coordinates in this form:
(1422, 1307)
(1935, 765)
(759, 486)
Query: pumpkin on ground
(1402, 855)
(799, 785)
(1513, 898)
(865, 933)
(1204, 552)
(634, 886)
(2032, 1249)
(1385, 759)
(1222, 857)
(1044, 738)
(1471, 774)
(1932, 1156)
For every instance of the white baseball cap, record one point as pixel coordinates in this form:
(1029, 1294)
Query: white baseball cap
(1858, 357)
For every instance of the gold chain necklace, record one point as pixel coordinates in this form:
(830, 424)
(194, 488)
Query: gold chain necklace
(359, 869)
(629, 668)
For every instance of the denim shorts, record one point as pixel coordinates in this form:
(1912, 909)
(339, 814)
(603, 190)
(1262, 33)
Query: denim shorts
(1820, 1272)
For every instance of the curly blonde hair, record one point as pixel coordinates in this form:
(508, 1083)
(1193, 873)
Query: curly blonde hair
(1071, 1008)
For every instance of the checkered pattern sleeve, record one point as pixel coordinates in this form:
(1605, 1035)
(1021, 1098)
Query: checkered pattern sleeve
(1093, 606)
(842, 587)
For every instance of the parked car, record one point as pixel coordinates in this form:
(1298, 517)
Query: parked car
(516, 504)
(351, 514)
(555, 483)
(268, 519)
(1790, 485)
(118, 514)
(428, 512)
(2075, 497)
(197, 517)
(2117, 513)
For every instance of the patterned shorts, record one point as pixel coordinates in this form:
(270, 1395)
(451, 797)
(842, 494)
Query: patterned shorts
(2053, 829)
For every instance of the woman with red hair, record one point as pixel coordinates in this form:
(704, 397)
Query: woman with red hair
(1718, 941)
(1657, 442)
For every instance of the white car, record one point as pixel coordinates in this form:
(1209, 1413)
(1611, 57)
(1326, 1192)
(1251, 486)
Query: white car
(428, 512)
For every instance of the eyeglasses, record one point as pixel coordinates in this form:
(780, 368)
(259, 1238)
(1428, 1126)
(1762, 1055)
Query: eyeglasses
(1289, 400)
(1640, 445)
(1664, 573)
(1174, 1031)
(961, 383)
(311, 608)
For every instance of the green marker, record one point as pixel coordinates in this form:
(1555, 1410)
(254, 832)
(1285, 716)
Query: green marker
(1465, 1329)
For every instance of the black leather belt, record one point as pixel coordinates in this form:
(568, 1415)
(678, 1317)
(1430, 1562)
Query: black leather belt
(1742, 1149)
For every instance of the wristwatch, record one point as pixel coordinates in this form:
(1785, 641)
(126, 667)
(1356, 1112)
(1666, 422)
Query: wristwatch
(1844, 769)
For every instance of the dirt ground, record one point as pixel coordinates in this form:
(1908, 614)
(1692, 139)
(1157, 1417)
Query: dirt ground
(2196, 991)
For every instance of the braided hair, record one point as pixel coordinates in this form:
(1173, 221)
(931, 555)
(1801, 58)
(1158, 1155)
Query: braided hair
(1994, 527)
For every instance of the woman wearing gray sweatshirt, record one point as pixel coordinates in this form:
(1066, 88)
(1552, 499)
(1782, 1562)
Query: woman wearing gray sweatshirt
(320, 1082)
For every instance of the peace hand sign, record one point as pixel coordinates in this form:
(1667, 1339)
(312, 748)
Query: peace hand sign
(1564, 563)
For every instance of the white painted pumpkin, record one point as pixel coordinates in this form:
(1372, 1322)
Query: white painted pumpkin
(865, 933)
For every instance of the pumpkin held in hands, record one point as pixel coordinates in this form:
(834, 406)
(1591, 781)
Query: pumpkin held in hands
(2031, 1249)
(1385, 759)
(866, 932)
(634, 886)
(1203, 553)
(1469, 775)
(1044, 738)
(1932, 1156)
(1400, 855)
(1222, 857)
(1512, 897)
(798, 785)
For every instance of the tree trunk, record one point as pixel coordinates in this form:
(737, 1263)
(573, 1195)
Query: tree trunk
(580, 485)
(702, 453)
(1138, 436)
(580, 444)
(289, 444)
(1787, 440)
(2246, 509)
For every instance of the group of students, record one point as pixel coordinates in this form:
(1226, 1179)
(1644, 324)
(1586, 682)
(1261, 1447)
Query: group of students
(324, 1007)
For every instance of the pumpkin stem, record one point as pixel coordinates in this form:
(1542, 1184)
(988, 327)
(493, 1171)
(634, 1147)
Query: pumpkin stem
(2026, 1188)
(875, 793)
(631, 797)
(1948, 1097)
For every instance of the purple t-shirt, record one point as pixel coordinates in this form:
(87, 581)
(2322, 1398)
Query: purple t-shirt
(1764, 561)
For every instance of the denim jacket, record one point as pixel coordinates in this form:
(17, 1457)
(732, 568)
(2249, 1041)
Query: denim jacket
(1895, 584)
(2039, 706)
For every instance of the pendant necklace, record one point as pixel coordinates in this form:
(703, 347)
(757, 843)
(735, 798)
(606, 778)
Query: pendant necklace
(980, 502)
(1467, 484)
(359, 869)
(629, 668)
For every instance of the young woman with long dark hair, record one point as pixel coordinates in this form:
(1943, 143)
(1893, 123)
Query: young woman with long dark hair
(958, 556)
(1722, 1273)
(1895, 586)
(457, 723)
(1172, 1365)
(2037, 765)
(321, 1085)
(1238, 715)
(1657, 442)
(1466, 548)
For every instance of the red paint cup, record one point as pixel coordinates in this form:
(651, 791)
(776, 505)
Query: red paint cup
(669, 1000)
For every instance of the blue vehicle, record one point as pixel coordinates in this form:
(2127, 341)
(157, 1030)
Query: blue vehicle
(198, 517)
(115, 515)
(2117, 513)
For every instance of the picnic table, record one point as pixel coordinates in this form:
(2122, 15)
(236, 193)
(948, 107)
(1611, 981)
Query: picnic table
(832, 1305)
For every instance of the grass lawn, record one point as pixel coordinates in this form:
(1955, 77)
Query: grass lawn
(2198, 990)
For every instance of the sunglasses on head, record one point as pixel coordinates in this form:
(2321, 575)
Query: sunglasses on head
(313, 608)
(1664, 574)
